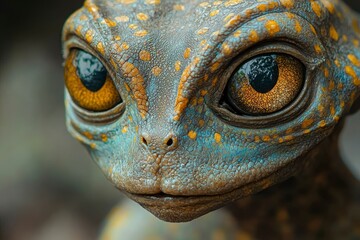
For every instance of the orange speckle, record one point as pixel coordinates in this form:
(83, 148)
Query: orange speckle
(237, 33)
(217, 137)
(109, 23)
(177, 66)
(288, 138)
(187, 53)
(329, 6)
(257, 139)
(179, 7)
(154, 2)
(228, 17)
(142, 16)
(307, 123)
(88, 135)
(354, 60)
(192, 135)
(233, 21)
(322, 123)
(125, 129)
(287, 3)
(266, 138)
(298, 27)
(89, 36)
(253, 37)
(104, 137)
(214, 67)
(126, 1)
(133, 26)
(122, 18)
(202, 31)
(316, 8)
(214, 13)
(93, 146)
(203, 92)
(226, 49)
(141, 33)
(317, 49)
(156, 70)
(232, 2)
(100, 48)
(145, 55)
(272, 27)
(117, 38)
(201, 123)
(351, 72)
(333, 33)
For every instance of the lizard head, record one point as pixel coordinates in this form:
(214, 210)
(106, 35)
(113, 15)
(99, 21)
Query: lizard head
(189, 105)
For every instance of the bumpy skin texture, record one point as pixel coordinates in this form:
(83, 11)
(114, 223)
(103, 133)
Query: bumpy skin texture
(171, 60)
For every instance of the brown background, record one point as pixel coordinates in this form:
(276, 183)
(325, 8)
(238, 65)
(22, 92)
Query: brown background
(49, 187)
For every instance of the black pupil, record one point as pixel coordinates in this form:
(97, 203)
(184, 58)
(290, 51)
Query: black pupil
(262, 73)
(91, 71)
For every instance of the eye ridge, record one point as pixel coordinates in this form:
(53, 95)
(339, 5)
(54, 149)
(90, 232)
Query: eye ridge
(90, 70)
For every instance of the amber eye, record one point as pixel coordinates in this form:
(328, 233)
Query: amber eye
(89, 83)
(265, 84)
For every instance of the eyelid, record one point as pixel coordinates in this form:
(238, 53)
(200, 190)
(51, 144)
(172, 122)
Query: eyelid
(310, 45)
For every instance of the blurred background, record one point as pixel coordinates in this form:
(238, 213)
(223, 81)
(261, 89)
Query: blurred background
(49, 187)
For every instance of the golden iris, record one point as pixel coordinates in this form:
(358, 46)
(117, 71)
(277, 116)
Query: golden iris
(265, 84)
(89, 83)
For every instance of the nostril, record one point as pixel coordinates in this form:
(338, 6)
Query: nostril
(170, 142)
(144, 141)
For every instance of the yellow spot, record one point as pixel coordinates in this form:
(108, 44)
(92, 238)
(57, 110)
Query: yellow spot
(204, 4)
(253, 37)
(233, 21)
(217, 137)
(200, 101)
(307, 123)
(214, 13)
(288, 138)
(216, 3)
(109, 23)
(351, 72)
(281, 140)
(202, 31)
(287, 3)
(203, 92)
(201, 123)
(156, 70)
(316, 8)
(257, 139)
(125, 129)
(126, 1)
(237, 33)
(317, 48)
(100, 48)
(187, 53)
(333, 33)
(266, 138)
(226, 49)
(117, 38)
(88, 135)
(272, 27)
(89, 36)
(298, 27)
(329, 6)
(232, 2)
(93, 145)
(145, 55)
(141, 33)
(215, 67)
(104, 137)
(122, 18)
(154, 2)
(192, 135)
(354, 60)
(177, 66)
(228, 17)
(179, 7)
(322, 123)
(142, 16)
(133, 26)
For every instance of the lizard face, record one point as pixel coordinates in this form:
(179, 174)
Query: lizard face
(188, 105)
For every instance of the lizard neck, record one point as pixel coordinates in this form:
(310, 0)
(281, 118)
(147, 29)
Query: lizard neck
(318, 201)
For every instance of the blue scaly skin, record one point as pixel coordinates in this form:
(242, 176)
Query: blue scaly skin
(178, 126)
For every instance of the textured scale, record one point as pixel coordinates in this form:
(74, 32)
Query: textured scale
(171, 146)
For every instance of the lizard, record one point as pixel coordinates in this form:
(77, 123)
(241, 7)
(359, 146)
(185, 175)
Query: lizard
(190, 106)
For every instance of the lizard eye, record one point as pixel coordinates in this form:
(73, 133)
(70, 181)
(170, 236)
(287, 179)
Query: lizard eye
(89, 83)
(264, 84)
